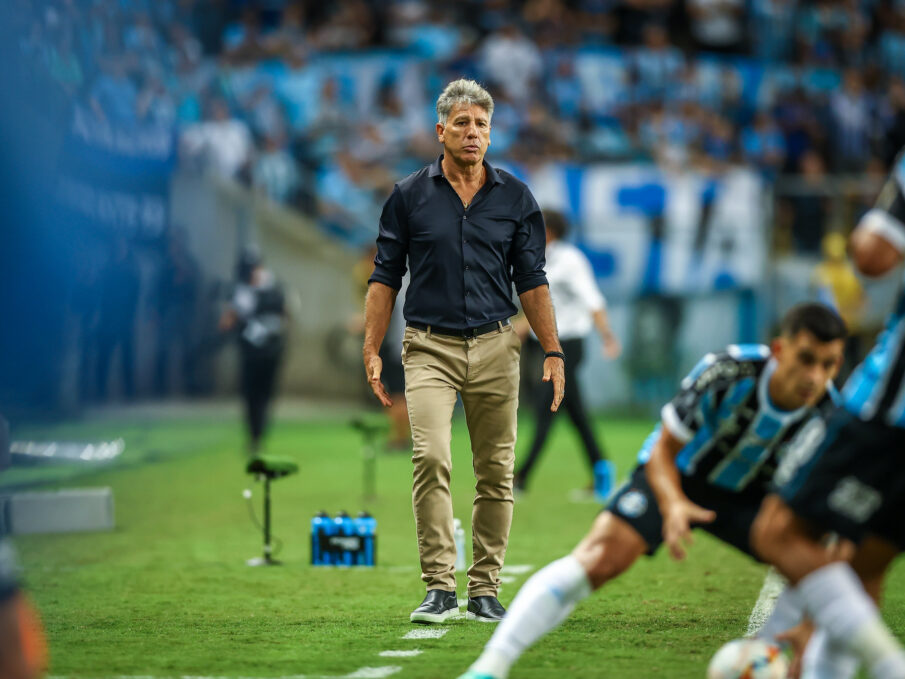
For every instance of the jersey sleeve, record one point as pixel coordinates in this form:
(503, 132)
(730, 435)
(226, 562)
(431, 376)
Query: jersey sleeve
(699, 396)
(887, 217)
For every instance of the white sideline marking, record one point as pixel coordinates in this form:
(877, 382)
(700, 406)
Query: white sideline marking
(427, 633)
(774, 584)
(400, 654)
(518, 569)
(507, 579)
(361, 673)
(374, 672)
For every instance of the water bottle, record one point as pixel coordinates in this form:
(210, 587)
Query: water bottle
(367, 556)
(459, 537)
(344, 530)
(317, 538)
(329, 529)
(359, 530)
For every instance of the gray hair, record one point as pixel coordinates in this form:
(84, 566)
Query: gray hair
(466, 92)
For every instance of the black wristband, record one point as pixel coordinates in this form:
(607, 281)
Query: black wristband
(555, 354)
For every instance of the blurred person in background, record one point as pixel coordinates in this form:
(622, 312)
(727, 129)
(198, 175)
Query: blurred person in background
(275, 173)
(222, 144)
(895, 119)
(23, 650)
(114, 96)
(837, 285)
(578, 304)
(717, 25)
(851, 108)
(809, 206)
(467, 232)
(258, 314)
(512, 62)
(120, 282)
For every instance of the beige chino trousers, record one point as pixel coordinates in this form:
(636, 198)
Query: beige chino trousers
(485, 371)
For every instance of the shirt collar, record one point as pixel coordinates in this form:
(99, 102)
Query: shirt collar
(494, 177)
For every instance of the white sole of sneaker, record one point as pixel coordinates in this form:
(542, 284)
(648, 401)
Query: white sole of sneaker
(434, 618)
(478, 618)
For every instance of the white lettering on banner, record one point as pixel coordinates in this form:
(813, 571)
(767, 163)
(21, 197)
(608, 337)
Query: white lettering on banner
(146, 142)
(141, 213)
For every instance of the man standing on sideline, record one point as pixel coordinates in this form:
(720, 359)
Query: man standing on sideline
(468, 233)
(578, 303)
(258, 313)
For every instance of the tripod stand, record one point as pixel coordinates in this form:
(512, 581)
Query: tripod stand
(269, 469)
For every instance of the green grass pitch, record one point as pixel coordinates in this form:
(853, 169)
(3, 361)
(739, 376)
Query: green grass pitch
(167, 593)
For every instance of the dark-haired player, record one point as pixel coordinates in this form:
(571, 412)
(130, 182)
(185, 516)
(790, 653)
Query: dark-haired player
(708, 463)
(848, 475)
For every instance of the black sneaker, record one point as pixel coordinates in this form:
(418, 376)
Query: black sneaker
(485, 609)
(438, 606)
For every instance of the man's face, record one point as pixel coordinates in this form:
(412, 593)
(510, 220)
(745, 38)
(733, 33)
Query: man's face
(466, 135)
(804, 366)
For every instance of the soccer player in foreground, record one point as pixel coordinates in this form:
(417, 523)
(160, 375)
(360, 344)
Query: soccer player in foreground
(848, 476)
(709, 463)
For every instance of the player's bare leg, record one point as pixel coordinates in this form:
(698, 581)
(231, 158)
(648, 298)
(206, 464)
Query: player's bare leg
(550, 595)
(830, 590)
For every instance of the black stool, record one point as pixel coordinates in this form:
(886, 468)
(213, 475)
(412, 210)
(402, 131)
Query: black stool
(269, 468)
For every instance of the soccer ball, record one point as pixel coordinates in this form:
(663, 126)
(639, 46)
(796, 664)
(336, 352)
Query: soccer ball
(748, 659)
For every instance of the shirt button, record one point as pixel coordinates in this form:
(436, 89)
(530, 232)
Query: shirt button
(467, 267)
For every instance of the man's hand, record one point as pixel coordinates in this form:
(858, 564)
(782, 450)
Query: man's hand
(612, 348)
(797, 638)
(677, 524)
(554, 369)
(373, 367)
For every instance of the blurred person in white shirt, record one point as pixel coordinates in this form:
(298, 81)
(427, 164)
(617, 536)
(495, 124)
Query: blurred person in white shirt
(512, 62)
(275, 172)
(222, 144)
(579, 306)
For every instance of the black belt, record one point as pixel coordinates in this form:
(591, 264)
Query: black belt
(466, 333)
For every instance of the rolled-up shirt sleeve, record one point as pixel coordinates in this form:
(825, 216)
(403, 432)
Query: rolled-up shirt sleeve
(530, 241)
(392, 243)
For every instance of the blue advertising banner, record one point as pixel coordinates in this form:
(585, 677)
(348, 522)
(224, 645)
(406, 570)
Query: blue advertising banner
(116, 178)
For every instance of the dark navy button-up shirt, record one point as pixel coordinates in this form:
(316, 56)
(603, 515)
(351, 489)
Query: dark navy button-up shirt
(463, 261)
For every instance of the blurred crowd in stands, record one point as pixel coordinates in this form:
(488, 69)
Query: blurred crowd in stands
(322, 105)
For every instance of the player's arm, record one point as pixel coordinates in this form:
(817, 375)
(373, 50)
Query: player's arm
(584, 286)
(611, 346)
(678, 512)
(528, 261)
(539, 311)
(383, 286)
(877, 245)
(379, 304)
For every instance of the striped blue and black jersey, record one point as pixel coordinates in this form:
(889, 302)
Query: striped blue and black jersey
(876, 389)
(733, 434)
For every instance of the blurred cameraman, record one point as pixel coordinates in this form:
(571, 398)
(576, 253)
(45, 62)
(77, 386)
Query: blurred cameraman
(258, 313)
